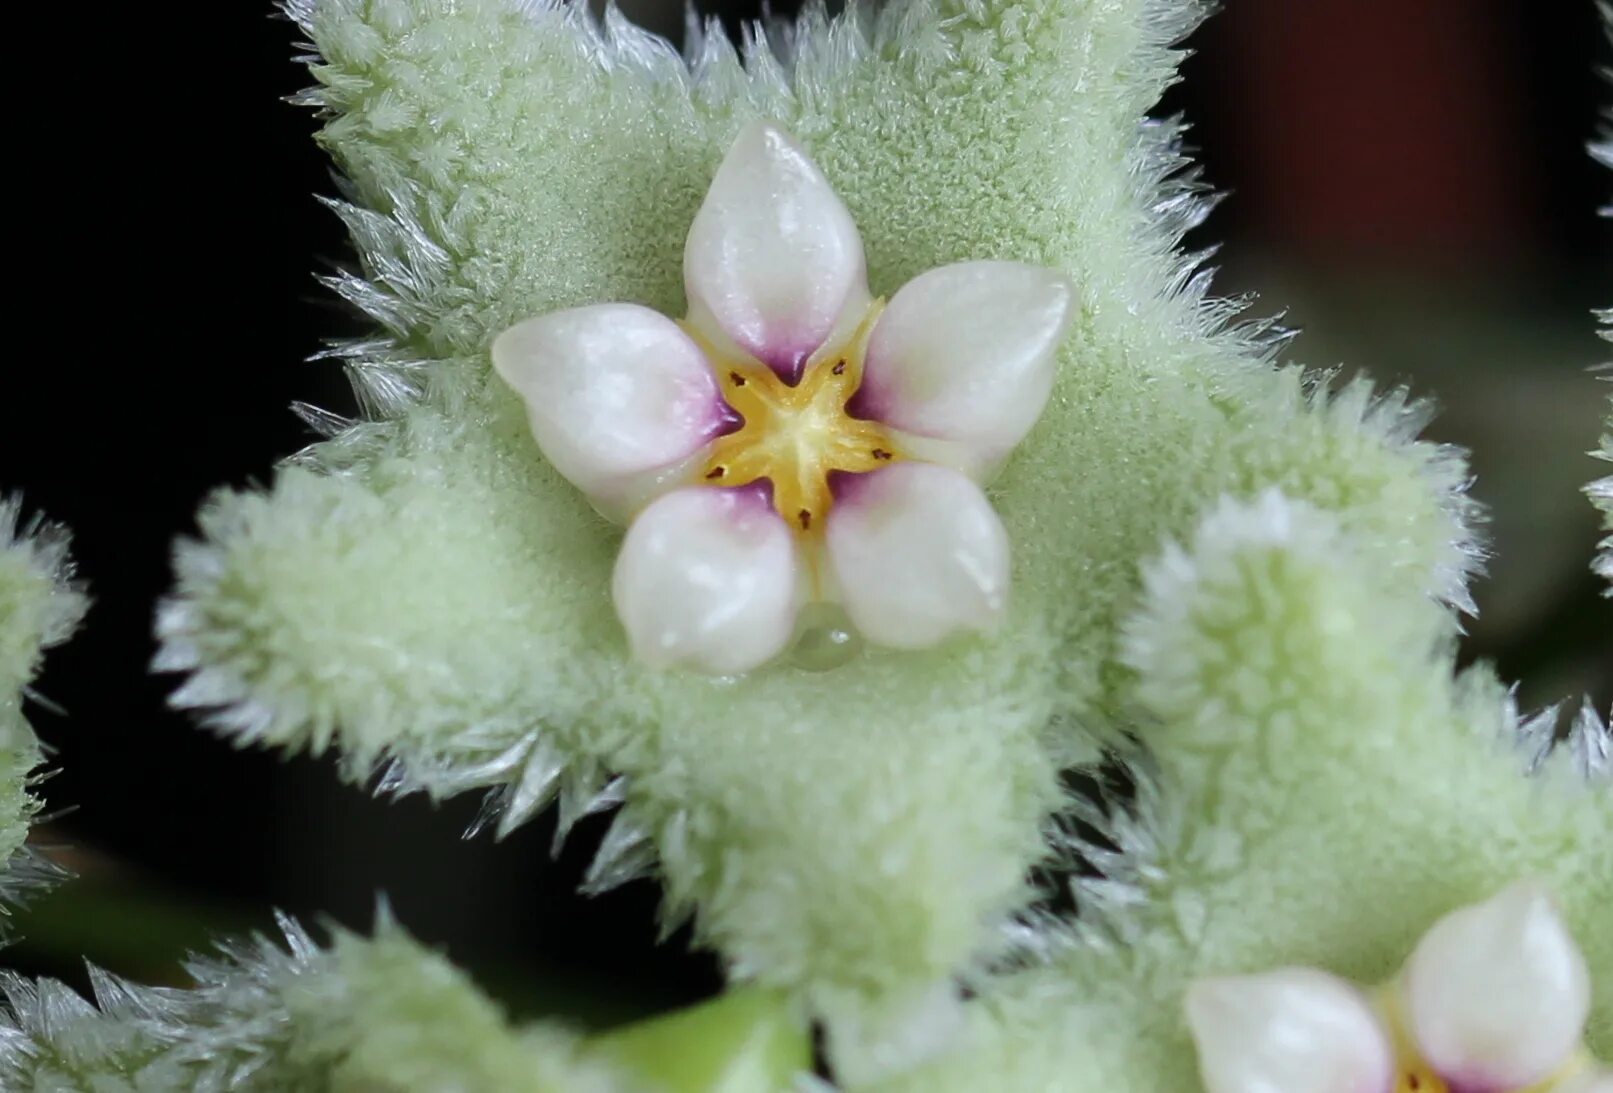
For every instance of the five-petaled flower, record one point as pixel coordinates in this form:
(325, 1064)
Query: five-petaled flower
(794, 440)
(1493, 1000)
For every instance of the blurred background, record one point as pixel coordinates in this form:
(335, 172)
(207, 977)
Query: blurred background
(1408, 180)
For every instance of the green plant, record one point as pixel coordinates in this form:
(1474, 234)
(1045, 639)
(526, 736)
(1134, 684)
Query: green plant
(1237, 589)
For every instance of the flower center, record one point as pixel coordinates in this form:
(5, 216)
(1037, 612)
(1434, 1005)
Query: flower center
(798, 436)
(1419, 1078)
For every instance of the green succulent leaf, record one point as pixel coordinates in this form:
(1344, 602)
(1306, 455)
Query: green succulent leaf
(1318, 787)
(365, 1015)
(747, 1040)
(40, 606)
(423, 593)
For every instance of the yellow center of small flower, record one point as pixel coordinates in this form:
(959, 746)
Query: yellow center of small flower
(1419, 1078)
(797, 436)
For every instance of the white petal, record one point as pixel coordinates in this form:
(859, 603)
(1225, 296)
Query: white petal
(707, 579)
(1598, 1080)
(618, 396)
(1497, 993)
(918, 553)
(966, 354)
(1293, 1030)
(773, 259)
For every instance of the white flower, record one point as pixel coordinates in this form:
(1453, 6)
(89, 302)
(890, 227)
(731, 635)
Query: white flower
(1493, 1000)
(794, 440)
(1294, 1030)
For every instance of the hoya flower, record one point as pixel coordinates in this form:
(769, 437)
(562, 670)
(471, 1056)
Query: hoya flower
(1493, 1000)
(794, 440)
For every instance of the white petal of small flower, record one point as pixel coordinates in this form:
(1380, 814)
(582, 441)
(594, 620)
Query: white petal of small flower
(707, 579)
(618, 396)
(966, 354)
(1498, 993)
(773, 259)
(1293, 1030)
(918, 553)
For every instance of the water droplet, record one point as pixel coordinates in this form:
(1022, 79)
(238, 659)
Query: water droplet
(824, 639)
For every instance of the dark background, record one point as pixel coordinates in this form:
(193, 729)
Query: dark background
(1409, 178)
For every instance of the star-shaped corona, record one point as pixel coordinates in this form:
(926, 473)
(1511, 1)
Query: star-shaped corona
(794, 440)
(1494, 999)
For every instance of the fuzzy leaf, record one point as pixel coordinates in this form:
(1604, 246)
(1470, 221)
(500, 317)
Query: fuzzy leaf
(423, 589)
(40, 606)
(1320, 788)
(381, 1015)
